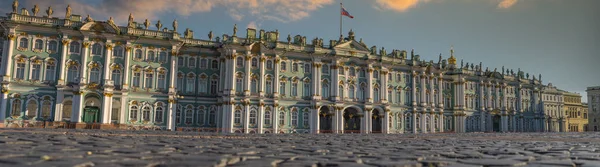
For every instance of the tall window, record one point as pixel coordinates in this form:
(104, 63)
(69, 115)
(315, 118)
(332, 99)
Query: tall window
(180, 87)
(269, 65)
(158, 114)
(118, 51)
(161, 81)
(351, 90)
(306, 89)
(35, 71)
(253, 86)
(32, 108)
(74, 47)
(190, 84)
(53, 46)
(325, 69)
(178, 116)
(283, 66)
(239, 62)
(398, 95)
(268, 116)
(238, 84)
(294, 115)
(399, 121)
(237, 117)
(376, 95)
(136, 79)
(189, 115)
(72, 74)
(352, 72)
(201, 113)
(362, 73)
(46, 109)
(133, 113)
(20, 70)
(390, 95)
(376, 74)
(149, 79)
(39, 44)
(341, 91)
(305, 118)
(361, 92)
(341, 70)
(254, 63)
(95, 75)
(325, 89)
(24, 43)
(215, 65)
(295, 89)
(213, 86)
(282, 88)
(202, 85)
(116, 76)
(96, 49)
(16, 107)
(203, 63)
(192, 62)
(50, 72)
(212, 117)
(306, 68)
(138, 54)
(146, 113)
(295, 67)
(252, 117)
(281, 118)
(269, 86)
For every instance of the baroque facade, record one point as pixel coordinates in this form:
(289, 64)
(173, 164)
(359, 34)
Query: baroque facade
(577, 115)
(87, 71)
(593, 107)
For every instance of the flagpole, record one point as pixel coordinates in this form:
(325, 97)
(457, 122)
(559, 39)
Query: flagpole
(341, 7)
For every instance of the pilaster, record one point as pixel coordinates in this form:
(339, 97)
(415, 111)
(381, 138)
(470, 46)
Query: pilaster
(127, 65)
(8, 57)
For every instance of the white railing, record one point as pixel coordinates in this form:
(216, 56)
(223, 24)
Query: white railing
(152, 33)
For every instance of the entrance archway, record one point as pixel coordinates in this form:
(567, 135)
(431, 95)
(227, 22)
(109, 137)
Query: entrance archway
(496, 123)
(91, 111)
(325, 120)
(376, 122)
(351, 120)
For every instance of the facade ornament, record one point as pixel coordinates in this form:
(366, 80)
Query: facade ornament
(109, 46)
(146, 24)
(461, 63)
(472, 66)
(540, 78)
(68, 13)
(111, 21)
(210, 36)
(452, 59)
(234, 30)
(130, 23)
(412, 54)
(175, 25)
(49, 11)
(15, 6)
(35, 10)
(86, 44)
(158, 25)
(502, 70)
(89, 19)
(108, 94)
(11, 37)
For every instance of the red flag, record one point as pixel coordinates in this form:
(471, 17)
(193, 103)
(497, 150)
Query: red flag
(345, 13)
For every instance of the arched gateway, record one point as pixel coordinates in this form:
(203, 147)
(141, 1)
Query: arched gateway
(352, 120)
(325, 120)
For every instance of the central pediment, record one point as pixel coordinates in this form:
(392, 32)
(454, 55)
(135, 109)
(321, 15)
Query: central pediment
(351, 45)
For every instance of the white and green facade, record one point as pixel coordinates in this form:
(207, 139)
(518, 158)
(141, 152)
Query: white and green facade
(86, 71)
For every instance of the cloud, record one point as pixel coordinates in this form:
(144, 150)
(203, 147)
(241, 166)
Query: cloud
(278, 10)
(506, 4)
(252, 24)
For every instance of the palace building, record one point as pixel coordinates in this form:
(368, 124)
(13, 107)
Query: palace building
(593, 107)
(62, 70)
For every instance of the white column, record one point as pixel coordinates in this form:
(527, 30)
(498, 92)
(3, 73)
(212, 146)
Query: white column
(107, 58)
(231, 74)
(340, 115)
(8, 57)
(364, 122)
(57, 106)
(275, 122)
(423, 97)
(3, 106)
(246, 118)
(481, 107)
(414, 120)
(124, 108)
(383, 90)
(414, 91)
(276, 77)
(127, 69)
(261, 77)
(171, 116)
(247, 73)
(369, 90)
(316, 121)
(335, 120)
(441, 122)
(261, 117)
(84, 58)
(106, 109)
(315, 80)
(4, 56)
(173, 71)
(76, 108)
(334, 80)
(386, 122)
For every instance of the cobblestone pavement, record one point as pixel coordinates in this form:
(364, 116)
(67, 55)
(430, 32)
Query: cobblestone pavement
(56, 147)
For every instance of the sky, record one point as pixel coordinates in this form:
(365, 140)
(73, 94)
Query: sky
(559, 39)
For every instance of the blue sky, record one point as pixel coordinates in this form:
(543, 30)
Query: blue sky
(559, 39)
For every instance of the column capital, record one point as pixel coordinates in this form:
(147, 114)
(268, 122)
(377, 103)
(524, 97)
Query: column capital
(65, 42)
(109, 46)
(11, 37)
(86, 44)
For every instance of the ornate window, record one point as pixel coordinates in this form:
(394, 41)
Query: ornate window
(118, 51)
(399, 121)
(376, 74)
(341, 70)
(138, 54)
(351, 91)
(35, 71)
(212, 117)
(53, 46)
(352, 72)
(376, 95)
(306, 89)
(16, 107)
(282, 88)
(158, 114)
(136, 79)
(362, 72)
(24, 43)
(390, 95)
(203, 63)
(162, 57)
(283, 66)
(46, 109)
(20, 70)
(202, 84)
(268, 116)
(362, 92)
(238, 83)
(150, 56)
(213, 86)
(32, 108)
(149, 79)
(341, 91)
(133, 113)
(178, 116)
(116, 77)
(305, 118)
(295, 67)
(74, 47)
(306, 68)
(39, 44)
(50, 70)
(269, 65)
(252, 116)
(239, 62)
(295, 89)
(281, 118)
(294, 115)
(72, 74)
(269, 85)
(215, 65)
(96, 49)
(189, 115)
(95, 75)
(161, 81)
(254, 85)
(325, 69)
(237, 116)
(201, 117)
(191, 62)
(254, 63)
(398, 95)
(146, 113)
(190, 83)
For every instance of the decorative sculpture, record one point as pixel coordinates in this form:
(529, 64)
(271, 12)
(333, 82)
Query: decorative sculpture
(502, 70)
(49, 11)
(276, 35)
(527, 75)
(35, 10)
(289, 39)
(461, 63)
(68, 13)
(15, 6)
(158, 25)
(111, 21)
(467, 66)
(412, 54)
(175, 25)
(210, 35)
(234, 30)
(540, 77)
(130, 23)
(89, 19)
(472, 66)
(382, 52)
(480, 66)
(146, 24)
(440, 58)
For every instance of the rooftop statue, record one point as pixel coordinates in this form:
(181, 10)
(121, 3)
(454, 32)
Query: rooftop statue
(35, 10)
(234, 30)
(502, 70)
(440, 58)
(276, 35)
(130, 21)
(146, 24)
(540, 77)
(158, 25)
(373, 50)
(467, 66)
(68, 12)
(111, 21)
(412, 54)
(15, 6)
(175, 25)
(382, 52)
(49, 11)
(210, 35)
(480, 66)
(527, 75)
(89, 19)
(289, 39)
(24, 11)
(472, 66)
(461, 63)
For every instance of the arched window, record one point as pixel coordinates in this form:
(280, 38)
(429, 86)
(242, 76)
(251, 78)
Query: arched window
(24, 43)
(20, 70)
(376, 95)
(325, 89)
(133, 113)
(341, 91)
(325, 69)
(50, 70)
(118, 51)
(46, 109)
(294, 115)
(390, 95)
(53, 46)
(178, 116)
(269, 85)
(162, 57)
(282, 87)
(192, 62)
(254, 63)
(159, 114)
(74, 47)
(35, 71)
(269, 65)
(295, 89)
(305, 118)
(161, 81)
(268, 116)
(146, 113)
(190, 83)
(96, 49)
(351, 90)
(398, 96)
(213, 86)
(189, 115)
(238, 83)
(212, 117)
(136, 79)
(390, 122)
(252, 117)
(306, 88)
(399, 121)
(376, 74)
(361, 92)
(283, 66)
(201, 116)
(306, 68)
(116, 77)
(180, 61)
(202, 84)
(138, 54)
(149, 79)
(95, 75)
(254, 86)
(341, 70)
(215, 65)
(237, 117)
(39, 44)
(203, 63)
(16, 108)
(295, 67)
(362, 72)
(32, 108)
(239, 62)
(72, 74)
(281, 118)
(352, 72)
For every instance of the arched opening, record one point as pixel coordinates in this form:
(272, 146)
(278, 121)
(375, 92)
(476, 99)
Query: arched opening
(115, 111)
(351, 120)
(91, 112)
(496, 123)
(67, 109)
(325, 120)
(376, 122)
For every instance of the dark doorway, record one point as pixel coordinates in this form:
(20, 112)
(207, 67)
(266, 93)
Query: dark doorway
(351, 121)
(325, 120)
(376, 122)
(90, 114)
(496, 123)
